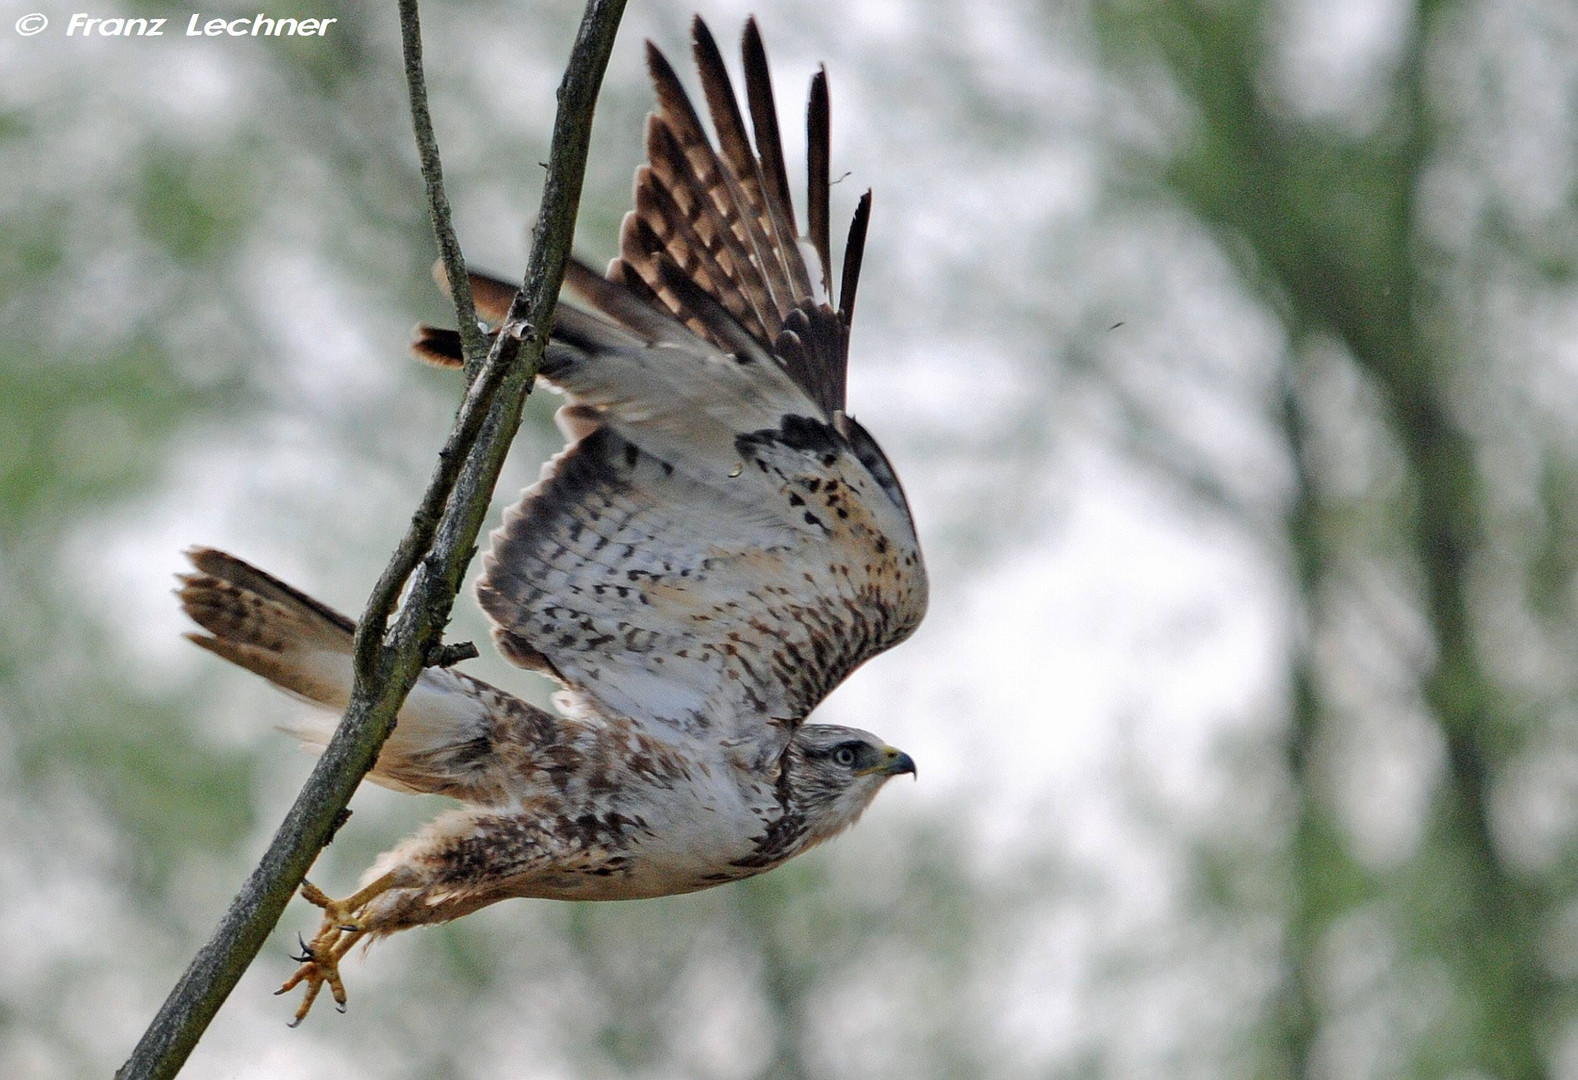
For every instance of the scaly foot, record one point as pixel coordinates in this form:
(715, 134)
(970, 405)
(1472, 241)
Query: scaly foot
(341, 928)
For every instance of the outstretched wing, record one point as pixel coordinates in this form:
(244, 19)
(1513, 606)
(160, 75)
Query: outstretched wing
(719, 545)
(724, 218)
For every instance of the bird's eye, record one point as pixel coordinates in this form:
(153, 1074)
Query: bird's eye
(844, 755)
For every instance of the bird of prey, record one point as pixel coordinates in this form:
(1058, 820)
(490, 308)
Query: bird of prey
(717, 547)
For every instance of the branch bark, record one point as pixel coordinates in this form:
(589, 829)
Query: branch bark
(432, 556)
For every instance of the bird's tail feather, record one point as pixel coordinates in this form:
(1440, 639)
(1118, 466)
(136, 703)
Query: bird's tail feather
(258, 622)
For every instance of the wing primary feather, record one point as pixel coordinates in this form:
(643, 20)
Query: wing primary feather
(819, 190)
(744, 171)
(769, 149)
(764, 116)
(671, 169)
(673, 102)
(621, 273)
(683, 157)
(720, 325)
(649, 256)
(657, 208)
(619, 303)
(854, 251)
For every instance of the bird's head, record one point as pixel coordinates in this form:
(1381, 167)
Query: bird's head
(835, 772)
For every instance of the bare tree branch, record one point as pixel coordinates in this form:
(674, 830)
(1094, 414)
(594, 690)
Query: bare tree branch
(473, 346)
(438, 545)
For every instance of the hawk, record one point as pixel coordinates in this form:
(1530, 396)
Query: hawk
(716, 548)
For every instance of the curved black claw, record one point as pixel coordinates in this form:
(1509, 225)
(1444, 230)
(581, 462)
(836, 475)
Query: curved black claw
(305, 956)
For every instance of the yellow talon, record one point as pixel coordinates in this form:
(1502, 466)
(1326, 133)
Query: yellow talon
(340, 930)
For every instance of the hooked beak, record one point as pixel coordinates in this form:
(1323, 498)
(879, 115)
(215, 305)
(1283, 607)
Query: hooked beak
(894, 761)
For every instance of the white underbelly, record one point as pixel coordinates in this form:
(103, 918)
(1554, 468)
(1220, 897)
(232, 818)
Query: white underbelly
(685, 838)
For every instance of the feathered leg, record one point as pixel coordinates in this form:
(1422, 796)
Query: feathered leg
(462, 861)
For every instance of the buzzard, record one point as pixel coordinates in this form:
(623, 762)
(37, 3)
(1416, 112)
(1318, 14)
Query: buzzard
(717, 547)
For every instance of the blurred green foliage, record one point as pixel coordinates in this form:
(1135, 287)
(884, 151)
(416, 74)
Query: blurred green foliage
(1333, 225)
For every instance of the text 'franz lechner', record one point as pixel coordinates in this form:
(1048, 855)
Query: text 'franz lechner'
(260, 25)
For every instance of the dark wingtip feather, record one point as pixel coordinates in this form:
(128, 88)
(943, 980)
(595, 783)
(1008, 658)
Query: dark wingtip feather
(709, 61)
(854, 251)
(672, 99)
(658, 66)
(764, 118)
(757, 173)
(718, 91)
(819, 190)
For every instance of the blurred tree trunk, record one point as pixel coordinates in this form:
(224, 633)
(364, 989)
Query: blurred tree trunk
(1324, 223)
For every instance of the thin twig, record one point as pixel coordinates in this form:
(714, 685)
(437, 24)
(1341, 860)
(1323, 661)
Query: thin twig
(369, 651)
(474, 348)
(472, 344)
(437, 547)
